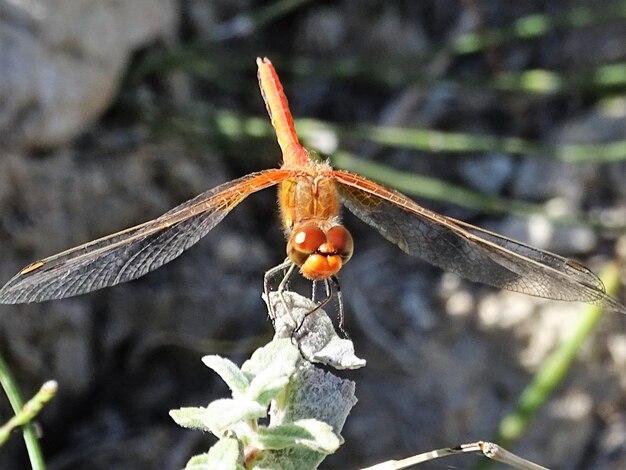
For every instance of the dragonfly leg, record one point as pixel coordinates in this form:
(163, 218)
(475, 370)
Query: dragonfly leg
(340, 310)
(321, 304)
(284, 283)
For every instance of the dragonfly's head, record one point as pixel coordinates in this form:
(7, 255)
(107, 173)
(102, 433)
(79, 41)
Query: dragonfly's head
(319, 253)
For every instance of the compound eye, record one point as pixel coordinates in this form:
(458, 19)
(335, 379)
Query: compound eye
(308, 239)
(303, 242)
(341, 240)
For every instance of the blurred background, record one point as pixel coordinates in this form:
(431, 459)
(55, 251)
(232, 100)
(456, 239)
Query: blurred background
(508, 115)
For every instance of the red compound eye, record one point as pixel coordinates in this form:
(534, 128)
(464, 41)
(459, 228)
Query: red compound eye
(308, 239)
(341, 240)
(303, 242)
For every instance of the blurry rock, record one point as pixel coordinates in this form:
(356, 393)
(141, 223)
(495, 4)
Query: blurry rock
(221, 19)
(61, 62)
(543, 177)
(324, 29)
(572, 411)
(489, 173)
(540, 178)
(542, 233)
(392, 32)
(606, 123)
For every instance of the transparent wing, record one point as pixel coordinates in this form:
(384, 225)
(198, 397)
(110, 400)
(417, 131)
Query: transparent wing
(133, 252)
(471, 252)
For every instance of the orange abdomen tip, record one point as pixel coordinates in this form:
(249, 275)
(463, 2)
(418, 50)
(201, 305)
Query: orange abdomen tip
(278, 110)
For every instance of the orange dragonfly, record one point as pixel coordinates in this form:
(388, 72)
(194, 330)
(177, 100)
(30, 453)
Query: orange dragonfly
(310, 195)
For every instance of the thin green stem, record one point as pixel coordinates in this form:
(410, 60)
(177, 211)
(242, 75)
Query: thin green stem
(29, 410)
(11, 390)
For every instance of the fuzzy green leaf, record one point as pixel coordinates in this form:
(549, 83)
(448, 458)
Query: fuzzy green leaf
(229, 372)
(221, 415)
(279, 356)
(266, 386)
(223, 455)
(310, 433)
(190, 417)
(198, 462)
(289, 459)
(317, 339)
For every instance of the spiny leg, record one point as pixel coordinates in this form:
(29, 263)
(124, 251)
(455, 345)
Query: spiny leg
(323, 303)
(320, 305)
(267, 288)
(340, 310)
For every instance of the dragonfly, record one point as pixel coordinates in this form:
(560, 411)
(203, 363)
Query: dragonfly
(310, 197)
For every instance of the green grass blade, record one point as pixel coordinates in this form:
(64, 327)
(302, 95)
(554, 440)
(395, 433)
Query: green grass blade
(458, 142)
(537, 25)
(555, 368)
(432, 188)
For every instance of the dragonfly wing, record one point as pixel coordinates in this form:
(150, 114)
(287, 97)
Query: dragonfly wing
(471, 252)
(133, 252)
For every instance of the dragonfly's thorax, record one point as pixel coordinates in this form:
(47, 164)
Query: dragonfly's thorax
(310, 195)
